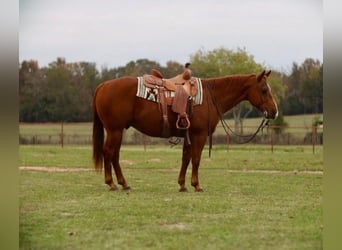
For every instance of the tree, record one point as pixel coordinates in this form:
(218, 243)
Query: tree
(304, 88)
(221, 62)
(138, 67)
(312, 89)
(31, 84)
(172, 69)
(60, 92)
(64, 90)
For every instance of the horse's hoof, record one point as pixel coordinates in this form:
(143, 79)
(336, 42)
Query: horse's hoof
(184, 189)
(199, 190)
(113, 189)
(127, 188)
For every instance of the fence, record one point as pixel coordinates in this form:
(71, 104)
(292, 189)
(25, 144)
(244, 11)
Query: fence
(81, 134)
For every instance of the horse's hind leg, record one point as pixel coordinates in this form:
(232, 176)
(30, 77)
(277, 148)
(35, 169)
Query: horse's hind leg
(108, 151)
(116, 163)
(111, 153)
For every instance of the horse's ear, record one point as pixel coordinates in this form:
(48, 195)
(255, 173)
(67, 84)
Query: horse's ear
(268, 73)
(259, 78)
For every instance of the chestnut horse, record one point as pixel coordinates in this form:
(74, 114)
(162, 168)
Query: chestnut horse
(116, 107)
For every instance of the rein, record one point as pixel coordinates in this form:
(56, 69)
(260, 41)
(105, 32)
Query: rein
(225, 126)
(249, 137)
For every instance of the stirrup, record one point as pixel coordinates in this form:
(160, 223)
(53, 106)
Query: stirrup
(179, 119)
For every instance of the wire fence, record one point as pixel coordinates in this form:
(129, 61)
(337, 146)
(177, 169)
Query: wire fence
(81, 134)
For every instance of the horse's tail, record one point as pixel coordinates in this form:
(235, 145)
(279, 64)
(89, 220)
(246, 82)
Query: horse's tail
(98, 137)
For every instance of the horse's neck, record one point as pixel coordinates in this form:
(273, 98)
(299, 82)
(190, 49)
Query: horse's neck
(229, 91)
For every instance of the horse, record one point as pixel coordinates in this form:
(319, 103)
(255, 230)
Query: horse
(116, 107)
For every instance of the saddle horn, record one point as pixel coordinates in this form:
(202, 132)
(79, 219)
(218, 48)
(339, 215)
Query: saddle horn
(187, 74)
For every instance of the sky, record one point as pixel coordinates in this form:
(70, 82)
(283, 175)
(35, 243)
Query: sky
(111, 33)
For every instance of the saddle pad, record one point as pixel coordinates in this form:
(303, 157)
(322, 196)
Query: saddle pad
(151, 94)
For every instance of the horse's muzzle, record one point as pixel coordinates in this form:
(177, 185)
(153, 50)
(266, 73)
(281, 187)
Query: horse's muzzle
(273, 114)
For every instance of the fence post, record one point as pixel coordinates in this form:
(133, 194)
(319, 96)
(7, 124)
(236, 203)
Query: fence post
(144, 141)
(272, 138)
(228, 141)
(313, 138)
(62, 134)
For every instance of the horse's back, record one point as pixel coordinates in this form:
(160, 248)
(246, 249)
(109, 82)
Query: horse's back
(118, 84)
(114, 100)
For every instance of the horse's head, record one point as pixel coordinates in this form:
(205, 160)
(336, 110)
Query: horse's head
(260, 96)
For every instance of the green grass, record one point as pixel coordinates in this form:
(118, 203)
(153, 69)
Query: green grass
(238, 210)
(69, 156)
(242, 211)
(247, 157)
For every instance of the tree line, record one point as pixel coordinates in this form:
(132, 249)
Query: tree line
(62, 91)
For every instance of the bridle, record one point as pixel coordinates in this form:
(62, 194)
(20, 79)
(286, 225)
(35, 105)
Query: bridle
(227, 129)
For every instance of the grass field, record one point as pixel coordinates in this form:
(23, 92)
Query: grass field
(240, 208)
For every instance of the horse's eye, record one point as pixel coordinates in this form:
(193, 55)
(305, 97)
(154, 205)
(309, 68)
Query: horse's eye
(264, 91)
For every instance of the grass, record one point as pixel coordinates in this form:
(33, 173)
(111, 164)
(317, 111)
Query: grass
(243, 211)
(238, 210)
(247, 157)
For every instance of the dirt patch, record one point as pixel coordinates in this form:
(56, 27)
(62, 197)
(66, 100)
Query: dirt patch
(54, 169)
(154, 160)
(127, 162)
(276, 172)
(179, 226)
(81, 169)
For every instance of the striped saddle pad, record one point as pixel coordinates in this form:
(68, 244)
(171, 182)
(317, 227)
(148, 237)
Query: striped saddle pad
(151, 94)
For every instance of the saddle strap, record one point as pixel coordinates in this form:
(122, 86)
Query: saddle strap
(163, 107)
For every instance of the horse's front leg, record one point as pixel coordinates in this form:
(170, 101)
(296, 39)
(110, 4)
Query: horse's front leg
(185, 163)
(198, 143)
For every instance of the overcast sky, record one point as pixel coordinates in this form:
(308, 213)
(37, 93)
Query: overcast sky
(111, 32)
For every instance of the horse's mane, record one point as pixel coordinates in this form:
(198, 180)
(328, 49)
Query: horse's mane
(234, 78)
(230, 79)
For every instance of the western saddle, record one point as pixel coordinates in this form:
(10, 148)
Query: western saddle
(184, 88)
